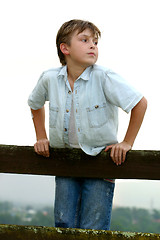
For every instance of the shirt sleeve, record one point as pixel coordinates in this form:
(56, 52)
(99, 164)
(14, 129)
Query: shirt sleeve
(120, 93)
(39, 94)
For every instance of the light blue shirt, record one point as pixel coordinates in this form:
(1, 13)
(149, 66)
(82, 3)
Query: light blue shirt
(97, 94)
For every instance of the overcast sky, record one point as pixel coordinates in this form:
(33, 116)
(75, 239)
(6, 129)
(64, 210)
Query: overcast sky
(129, 45)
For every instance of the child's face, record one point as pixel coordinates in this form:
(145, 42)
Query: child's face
(83, 48)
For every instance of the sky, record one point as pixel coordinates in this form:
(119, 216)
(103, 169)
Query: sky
(129, 45)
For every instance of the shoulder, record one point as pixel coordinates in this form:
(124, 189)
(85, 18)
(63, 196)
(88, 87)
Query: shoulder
(100, 69)
(108, 75)
(103, 74)
(52, 72)
(49, 75)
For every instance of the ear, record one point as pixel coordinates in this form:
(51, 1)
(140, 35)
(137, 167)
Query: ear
(64, 48)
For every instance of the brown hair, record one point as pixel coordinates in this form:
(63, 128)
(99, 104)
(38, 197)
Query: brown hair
(67, 29)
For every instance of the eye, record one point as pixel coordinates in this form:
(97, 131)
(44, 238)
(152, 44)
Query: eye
(84, 40)
(95, 42)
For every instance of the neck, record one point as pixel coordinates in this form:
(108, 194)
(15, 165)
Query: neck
(74, 72)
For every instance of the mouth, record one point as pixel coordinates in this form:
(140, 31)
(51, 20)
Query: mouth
(91, 54)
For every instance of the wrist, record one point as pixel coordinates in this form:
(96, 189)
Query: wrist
(128, 142)
(42, 138)
(41, 135)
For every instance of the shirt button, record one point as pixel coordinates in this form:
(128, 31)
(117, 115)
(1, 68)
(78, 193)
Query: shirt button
(75, 91)
(78, 130)
(65, 129)
(67, 110)
(76, 111)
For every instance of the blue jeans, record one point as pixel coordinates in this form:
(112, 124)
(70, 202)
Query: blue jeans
(83, 203)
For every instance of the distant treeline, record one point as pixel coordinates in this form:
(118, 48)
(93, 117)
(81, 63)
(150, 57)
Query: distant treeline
(135, 220)
(123, 219)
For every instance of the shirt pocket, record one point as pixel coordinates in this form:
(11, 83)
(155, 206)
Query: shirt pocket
(97, 115)
(53, 114)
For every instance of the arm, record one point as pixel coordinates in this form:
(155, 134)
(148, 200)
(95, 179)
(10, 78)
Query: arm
(119, 150)
(42, 145)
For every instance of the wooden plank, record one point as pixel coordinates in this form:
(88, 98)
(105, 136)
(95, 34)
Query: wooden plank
(13, 232)
(139, 164)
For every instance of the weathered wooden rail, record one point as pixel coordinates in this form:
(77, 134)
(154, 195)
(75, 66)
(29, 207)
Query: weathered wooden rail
(74, 163)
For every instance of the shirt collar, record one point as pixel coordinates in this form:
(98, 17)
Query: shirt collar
(63, 72)
(84, 76)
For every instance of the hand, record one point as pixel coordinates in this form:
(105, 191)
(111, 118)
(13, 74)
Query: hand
(41, 147)
(118, 151)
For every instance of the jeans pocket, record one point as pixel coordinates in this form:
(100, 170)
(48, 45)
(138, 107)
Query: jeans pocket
(97, 115)
(53, 114)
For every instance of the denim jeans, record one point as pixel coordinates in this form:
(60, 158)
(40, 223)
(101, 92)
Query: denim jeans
(83, 203)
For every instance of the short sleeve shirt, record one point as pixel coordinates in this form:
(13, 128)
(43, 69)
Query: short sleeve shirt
(98, 93)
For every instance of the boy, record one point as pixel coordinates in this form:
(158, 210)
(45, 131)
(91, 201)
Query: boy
(83, 102)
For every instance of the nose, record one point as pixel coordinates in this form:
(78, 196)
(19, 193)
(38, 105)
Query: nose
(92, 46)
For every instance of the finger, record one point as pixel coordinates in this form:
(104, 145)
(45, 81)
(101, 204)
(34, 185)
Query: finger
(43, 148)
(35, 148)
(46, 147)
(39, 148)
(108, 147)
(113, 154)
(120, 154)
(123, 156)
(116, 156)
(46, 153)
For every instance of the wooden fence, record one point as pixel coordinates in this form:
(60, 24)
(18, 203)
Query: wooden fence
(139, 164)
